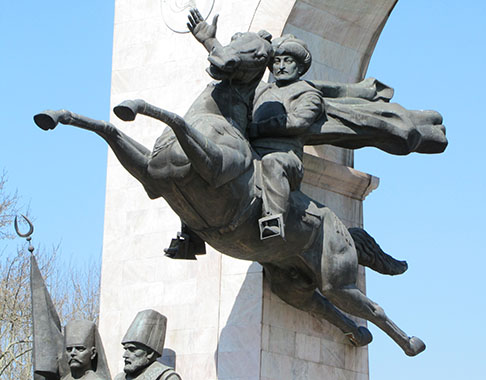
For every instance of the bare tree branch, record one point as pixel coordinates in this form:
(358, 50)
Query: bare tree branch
(74, 291)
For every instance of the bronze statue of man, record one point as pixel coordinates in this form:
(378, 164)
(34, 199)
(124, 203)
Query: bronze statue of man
(83, 351)
(286, 115)
(143, 344)
(283, 110)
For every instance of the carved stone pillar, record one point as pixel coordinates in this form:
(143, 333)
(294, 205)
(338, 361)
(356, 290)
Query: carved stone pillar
(223, 322)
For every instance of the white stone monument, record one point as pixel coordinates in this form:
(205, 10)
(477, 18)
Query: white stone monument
(223, 321)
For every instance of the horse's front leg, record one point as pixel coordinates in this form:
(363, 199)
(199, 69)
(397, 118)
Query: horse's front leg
(132, 155)
(216, 163)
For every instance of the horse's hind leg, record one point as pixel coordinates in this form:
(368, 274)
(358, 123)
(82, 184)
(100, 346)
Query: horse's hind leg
(339, 275)
(353, 301)
(297, 294)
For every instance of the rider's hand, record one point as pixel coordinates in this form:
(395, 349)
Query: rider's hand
(200, 28)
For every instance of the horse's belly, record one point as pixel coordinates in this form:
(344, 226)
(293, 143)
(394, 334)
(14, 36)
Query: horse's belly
(244, 241)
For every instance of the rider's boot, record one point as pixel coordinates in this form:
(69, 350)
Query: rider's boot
(186, 246)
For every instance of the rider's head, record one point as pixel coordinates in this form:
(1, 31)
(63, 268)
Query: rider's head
(292, 59)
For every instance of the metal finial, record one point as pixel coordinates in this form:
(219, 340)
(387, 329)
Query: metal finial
(26, 235)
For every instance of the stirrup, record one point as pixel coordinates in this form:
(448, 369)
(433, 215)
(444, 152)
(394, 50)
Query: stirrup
(271, 226)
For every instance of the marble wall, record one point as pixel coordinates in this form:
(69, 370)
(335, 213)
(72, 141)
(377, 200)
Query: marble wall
(223, 322)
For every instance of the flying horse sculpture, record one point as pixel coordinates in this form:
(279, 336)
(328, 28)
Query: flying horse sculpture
(206, 169)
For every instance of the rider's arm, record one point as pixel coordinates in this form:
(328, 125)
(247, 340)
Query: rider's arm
(202, 31)
(303, 112)
(295, 120)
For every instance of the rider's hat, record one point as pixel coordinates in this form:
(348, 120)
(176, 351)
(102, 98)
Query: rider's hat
(288, 44)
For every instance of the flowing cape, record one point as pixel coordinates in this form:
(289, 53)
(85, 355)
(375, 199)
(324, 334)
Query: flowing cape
(359, 115)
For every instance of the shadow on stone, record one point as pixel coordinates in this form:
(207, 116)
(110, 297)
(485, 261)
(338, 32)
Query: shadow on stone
(239, 344)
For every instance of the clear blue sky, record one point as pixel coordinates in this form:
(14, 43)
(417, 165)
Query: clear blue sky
(428, 210)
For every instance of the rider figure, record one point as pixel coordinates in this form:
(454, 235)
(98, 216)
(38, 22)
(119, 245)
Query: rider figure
(283, 111)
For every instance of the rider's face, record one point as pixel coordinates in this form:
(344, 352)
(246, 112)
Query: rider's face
(286, 69)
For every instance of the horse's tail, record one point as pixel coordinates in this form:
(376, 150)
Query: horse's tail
(372, 256)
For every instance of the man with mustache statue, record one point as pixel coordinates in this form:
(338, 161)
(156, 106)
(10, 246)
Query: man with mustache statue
(84, 352)
(283, 111)
(143, 344)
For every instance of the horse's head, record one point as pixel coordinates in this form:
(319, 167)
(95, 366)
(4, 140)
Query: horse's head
(244, 59)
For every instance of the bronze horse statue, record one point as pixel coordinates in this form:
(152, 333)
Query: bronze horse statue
(206, 169)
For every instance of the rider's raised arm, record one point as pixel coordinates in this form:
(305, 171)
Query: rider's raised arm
(202, 31)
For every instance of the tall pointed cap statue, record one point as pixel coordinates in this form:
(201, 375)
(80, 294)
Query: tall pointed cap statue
(47, 337)
(144, 344)
(85, 352)
(50, 355)
(148, 328)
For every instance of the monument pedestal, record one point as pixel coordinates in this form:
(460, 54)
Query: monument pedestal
(223, 321)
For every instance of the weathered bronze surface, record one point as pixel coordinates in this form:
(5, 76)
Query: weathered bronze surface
(221, 184)
(143, 344)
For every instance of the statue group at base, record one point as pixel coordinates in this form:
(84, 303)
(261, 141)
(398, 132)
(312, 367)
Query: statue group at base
(78, 354)
(231, 169)
(84, 351)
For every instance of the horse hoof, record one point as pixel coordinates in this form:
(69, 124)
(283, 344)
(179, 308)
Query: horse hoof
(415, 346)
(126, 110)
(46, 120)
(361, 338)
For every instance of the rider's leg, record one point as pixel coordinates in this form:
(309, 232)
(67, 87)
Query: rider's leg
(275, 184)
(312, 301)
(282, 173)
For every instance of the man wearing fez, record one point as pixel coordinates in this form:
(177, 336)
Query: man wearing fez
(84, 352)
(143, 344)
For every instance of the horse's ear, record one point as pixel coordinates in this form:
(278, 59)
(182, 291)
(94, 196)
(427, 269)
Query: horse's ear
(265, 35)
